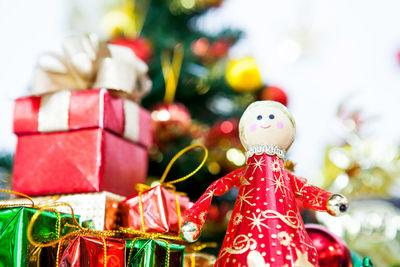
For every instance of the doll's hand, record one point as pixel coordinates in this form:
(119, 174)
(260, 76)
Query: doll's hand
(337, 205)
(190, 232)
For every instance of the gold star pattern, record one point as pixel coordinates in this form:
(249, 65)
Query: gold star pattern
(208, 195)
(298, 191)
(244, 198)
(302, 260)
(276, 167)
(257, 164)
(237, 219)
(257, 221)
(202, 216)
(243, 181)
(316, 199)
(279, 183)
(284, 238)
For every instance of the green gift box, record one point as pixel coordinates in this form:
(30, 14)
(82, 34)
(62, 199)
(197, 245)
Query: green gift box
(153, 253)
(16, 250)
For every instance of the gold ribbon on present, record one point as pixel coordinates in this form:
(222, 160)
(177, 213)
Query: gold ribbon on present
(87, 64)
(171, 68)
(155, 236)
(93, 233)
(170, 185)
(34, 253)
(10, 205)
(59, 241)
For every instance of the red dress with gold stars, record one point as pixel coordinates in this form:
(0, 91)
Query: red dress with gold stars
(266, 228)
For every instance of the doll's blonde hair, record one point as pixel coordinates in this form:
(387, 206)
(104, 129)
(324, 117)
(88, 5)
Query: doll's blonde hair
(264, 103)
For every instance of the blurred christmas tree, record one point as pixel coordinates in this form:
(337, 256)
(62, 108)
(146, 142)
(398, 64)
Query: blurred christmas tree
(6, 166)
(198, 92)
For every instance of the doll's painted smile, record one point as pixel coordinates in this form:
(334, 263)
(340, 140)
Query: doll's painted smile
(265, 127)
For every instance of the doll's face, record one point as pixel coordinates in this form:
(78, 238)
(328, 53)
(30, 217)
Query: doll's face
(266, 123)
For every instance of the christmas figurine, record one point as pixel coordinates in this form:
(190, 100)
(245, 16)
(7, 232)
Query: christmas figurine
(266, 228)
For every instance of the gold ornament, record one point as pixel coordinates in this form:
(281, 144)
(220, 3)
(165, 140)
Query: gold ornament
(358, 166)
(243, 75)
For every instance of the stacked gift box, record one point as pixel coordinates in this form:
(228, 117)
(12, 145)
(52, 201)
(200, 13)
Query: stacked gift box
(80, 155)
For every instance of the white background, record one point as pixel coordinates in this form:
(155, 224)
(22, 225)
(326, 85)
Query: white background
(349, 53)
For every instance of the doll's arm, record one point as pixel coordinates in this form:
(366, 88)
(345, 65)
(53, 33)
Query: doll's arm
(318, 199)
(196, 215)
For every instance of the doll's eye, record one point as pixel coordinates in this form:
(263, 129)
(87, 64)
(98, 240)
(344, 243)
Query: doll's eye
(271, 116)
(259, 117)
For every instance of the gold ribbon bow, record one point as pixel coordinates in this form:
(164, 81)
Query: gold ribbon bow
(171, 69)
(59, 241)
(170, 185)
(34, 254)
(30, 205)
(86, 64)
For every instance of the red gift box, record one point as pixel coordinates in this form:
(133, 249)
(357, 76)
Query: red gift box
(78, 110)
(78, 142)
(85, 251)
(161, 211)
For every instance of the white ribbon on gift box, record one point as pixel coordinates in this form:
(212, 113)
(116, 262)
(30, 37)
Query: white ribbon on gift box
(85, 64)
(54, 114)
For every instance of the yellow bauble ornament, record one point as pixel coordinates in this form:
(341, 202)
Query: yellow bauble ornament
(243, 75)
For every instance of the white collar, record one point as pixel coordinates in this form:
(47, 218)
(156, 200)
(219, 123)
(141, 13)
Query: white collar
(265, 149)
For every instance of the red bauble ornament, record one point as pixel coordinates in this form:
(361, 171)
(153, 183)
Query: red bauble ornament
(200, 47)
(274, 93)
(224, 129)
(170, 120)
(225, 150)
(220, 48)
(398, 57)
(139, 45)
(332, 252)
(209, 52)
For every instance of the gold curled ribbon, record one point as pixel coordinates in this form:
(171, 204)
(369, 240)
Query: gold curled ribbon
(59, 240)
(171, 69)
(168, 168)
(35, 252)
(31, 205)
(178, 211)
(48, 207)
(169, 185)
(85, 64)
(90, 232)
